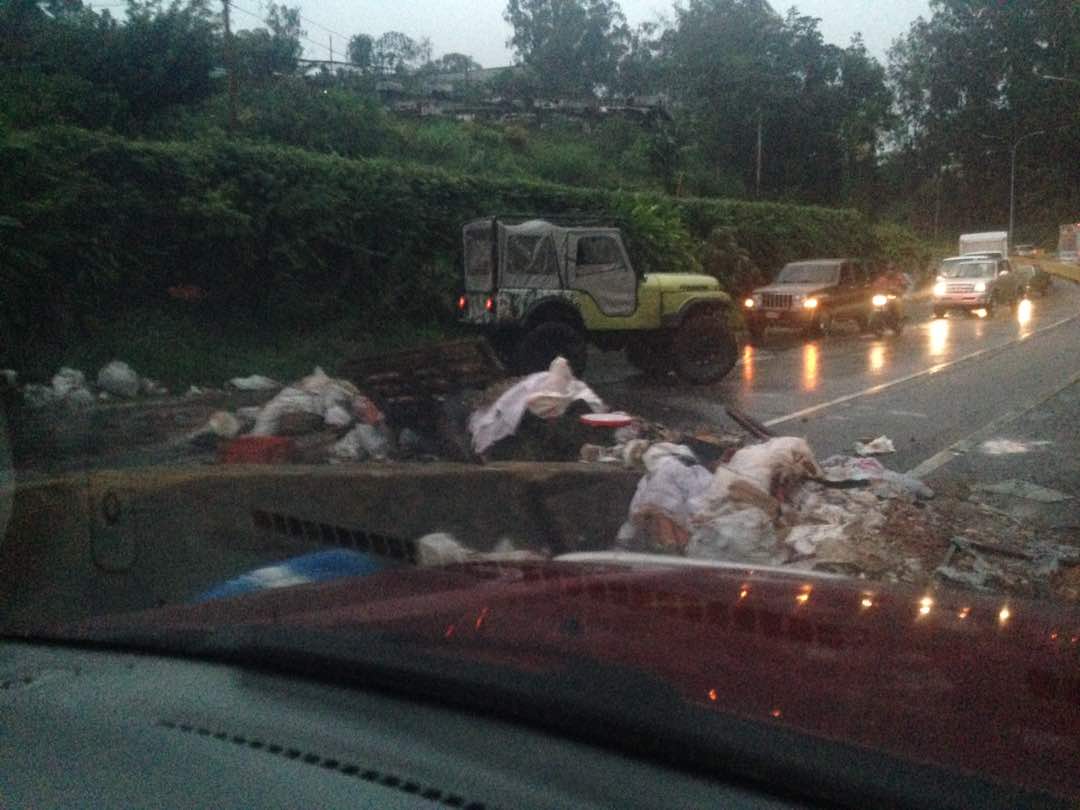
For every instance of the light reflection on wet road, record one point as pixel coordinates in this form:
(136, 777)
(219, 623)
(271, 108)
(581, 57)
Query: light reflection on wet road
(943, 401)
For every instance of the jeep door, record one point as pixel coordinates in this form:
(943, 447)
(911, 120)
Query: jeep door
(597, 264)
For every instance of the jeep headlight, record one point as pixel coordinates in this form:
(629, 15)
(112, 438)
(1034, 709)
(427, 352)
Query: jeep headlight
(879, 300)
(749, 303)
(810, 303)
(980, 286)
(940, 289)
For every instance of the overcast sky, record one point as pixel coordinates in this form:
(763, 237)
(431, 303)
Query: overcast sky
(476, 27)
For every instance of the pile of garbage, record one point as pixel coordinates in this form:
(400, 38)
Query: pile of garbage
(69, 387)
(771, 503)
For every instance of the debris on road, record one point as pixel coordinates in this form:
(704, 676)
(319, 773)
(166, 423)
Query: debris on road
(1024, 489)
(1004, 447)
(882, 445)
(546, 394)
(119, 379)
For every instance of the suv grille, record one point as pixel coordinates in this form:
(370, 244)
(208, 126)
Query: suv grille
(776, 300)
(960, 288)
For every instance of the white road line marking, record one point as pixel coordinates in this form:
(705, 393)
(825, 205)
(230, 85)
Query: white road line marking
(968, 443)
(875, 389)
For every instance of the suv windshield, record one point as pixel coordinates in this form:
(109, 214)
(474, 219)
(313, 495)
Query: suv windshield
(809, 274)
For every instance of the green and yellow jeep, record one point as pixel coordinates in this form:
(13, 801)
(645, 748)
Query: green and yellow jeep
(540, 290)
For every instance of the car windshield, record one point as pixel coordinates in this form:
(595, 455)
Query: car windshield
(968, 269)
(809, 274)
(630, 349)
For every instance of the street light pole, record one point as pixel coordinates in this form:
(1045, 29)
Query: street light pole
(1012, 176)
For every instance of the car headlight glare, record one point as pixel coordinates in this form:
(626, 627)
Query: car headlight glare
(980, 286)
(879, 300)
(940, 288)
(810, 303)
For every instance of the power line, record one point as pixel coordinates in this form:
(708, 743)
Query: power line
(260, 19)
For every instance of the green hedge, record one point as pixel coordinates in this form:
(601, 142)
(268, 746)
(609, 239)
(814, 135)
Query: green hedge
(278, 236)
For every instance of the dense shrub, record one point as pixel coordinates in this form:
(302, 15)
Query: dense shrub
(285, 237)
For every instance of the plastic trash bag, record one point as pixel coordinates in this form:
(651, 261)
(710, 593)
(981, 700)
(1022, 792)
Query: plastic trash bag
(363, 441)
(776, 464)
(666, 498)
(67, 380)
(547, 394)
(321, 566)
(256, 382)
(287, 401)
(119, 379)
(737, 520)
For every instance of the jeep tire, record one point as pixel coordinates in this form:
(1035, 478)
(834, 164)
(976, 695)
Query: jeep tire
(704, 349)
(548, 340)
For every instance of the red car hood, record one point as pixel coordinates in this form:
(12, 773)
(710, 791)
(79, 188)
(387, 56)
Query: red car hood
(978, 685)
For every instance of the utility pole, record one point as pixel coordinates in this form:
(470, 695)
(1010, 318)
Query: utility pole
(757, 172)
(331, 49)
(230, 65)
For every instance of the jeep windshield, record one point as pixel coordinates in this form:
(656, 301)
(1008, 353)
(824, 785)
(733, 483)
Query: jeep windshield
(808, 273)
(968, 270)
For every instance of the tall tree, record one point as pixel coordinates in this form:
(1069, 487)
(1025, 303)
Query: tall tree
(361, 51)
(968, 87)
(571, 47)
(395, 52)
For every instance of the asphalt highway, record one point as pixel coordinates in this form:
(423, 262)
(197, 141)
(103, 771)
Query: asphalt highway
(941, 383)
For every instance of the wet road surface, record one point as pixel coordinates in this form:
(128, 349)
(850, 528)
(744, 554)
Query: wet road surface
(939, 383)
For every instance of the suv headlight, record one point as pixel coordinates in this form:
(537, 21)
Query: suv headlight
(940, 288)
(810, 303)
(749, 303)
(879, 300)
(980, 286)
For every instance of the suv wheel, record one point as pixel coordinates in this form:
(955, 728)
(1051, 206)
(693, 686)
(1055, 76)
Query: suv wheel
(756, 329)
(704, 349)
(545, 342)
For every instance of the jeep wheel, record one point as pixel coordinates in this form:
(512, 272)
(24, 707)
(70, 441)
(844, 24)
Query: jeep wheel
(756, 330)
(549, 340)
(704, 349)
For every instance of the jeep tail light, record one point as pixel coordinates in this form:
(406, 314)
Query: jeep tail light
(462, 302)
(489, 305)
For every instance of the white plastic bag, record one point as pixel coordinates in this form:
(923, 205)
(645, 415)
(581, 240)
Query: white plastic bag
(119, 379)
(776, 463)
(256, 382)
(546, 394)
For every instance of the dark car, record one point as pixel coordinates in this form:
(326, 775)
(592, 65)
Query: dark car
(812, 296)
(1034, 279)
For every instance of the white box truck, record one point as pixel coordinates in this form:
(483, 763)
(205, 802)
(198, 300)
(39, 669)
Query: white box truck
(988, 242)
